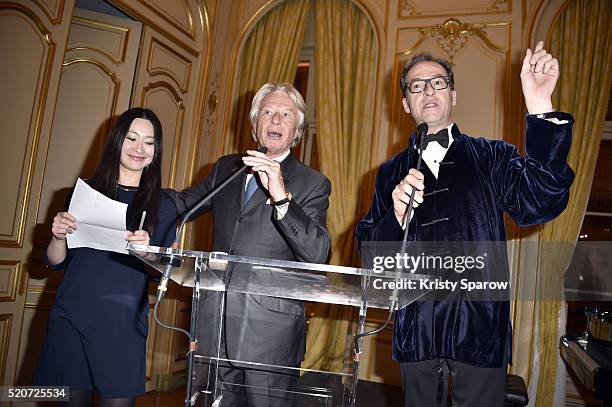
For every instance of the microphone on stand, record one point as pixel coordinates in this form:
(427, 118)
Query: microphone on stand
(174, 260)
(394, 297)
(422, 130)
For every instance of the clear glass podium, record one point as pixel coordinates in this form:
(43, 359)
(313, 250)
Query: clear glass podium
(248, 327)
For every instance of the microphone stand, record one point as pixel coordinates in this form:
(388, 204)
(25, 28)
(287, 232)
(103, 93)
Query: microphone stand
(175, 260)
(394, 297)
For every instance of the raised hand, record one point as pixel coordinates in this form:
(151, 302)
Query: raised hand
(269, 172)
(539, 75)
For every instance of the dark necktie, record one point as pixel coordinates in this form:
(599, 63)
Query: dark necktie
(441, 137)
(250, 190)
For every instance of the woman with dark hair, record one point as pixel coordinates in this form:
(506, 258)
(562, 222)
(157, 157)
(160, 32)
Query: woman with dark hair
(97, 328)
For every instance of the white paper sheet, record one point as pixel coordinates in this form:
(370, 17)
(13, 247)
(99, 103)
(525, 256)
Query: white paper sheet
(100, 220)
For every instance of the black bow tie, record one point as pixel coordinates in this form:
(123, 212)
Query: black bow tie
(441, 137)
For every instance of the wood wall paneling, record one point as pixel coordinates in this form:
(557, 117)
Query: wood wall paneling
(182, 22)
(163, 60)
(41, 112)
(153, 327)
(32, 39)
(180, 342)
(35, 318)
(52, 8)
(179, 14)
(101, 52)
(163, 86)
(88, 32)
(25, 77)
(9, 279)
(166, 102)
(6, 321)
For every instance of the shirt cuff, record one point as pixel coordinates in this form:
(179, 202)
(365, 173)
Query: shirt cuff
(281, 210)
(550, 116)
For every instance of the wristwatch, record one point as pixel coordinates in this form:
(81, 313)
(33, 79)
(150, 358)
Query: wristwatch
(283, 201)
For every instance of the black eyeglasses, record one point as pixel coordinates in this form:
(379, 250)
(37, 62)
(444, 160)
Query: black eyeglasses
(437, 82)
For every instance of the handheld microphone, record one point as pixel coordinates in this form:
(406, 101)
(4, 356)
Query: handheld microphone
(175, 259)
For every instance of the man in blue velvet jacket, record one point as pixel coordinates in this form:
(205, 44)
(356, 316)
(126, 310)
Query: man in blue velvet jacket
(462, 191)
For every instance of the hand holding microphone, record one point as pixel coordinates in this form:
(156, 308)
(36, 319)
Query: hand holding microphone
(175, 260)
(405, 190)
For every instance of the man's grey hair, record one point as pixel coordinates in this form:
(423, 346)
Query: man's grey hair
(295, 96)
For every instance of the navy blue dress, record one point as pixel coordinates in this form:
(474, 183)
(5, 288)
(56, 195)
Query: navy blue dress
(98, 325)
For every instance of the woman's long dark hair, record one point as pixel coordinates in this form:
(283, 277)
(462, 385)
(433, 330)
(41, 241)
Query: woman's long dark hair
(106, 174)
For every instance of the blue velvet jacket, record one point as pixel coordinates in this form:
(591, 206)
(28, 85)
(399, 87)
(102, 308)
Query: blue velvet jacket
(479, 179)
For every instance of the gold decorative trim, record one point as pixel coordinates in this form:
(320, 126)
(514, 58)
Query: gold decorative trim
(213, 99)
(32, 305)
(125, 31)
(199, 110)
(183, 85)
(553, 22)
(408, 10)
(133, 9)
(105, 69)
(452, 35)
(189, 31)
(205, 64)
(250, 24)
(11, 292)
(179, 127)
(203, 14)
(7, 321)
(43, 290)
(151, 336)
(497, 3)
(46, 68)
(54, 15)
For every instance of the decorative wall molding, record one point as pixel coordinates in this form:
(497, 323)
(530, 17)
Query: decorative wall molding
(452, 35)
(117, 55)
(52, 9)
(14, 238)
(185, 26)
(423, 8)
(161, 58)
(164, 87)
(10, 272)
(6, 321)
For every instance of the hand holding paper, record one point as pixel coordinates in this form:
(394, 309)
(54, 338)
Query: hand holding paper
(63, 224)
(101, 220)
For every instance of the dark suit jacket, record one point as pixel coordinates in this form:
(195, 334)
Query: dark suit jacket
(265, 329)
(479, 180)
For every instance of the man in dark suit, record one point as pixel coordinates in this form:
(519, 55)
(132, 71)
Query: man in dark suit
(278, 211)
(462, 192)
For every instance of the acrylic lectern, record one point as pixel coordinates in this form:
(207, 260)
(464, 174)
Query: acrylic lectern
(228, 291)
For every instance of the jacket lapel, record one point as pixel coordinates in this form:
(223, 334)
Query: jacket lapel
(235, 189)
